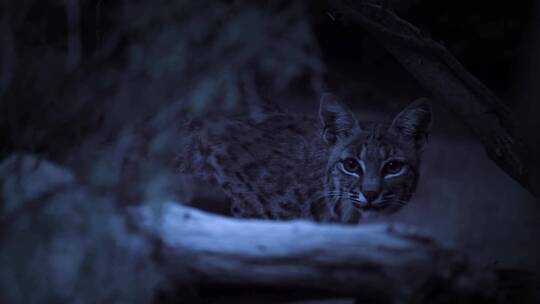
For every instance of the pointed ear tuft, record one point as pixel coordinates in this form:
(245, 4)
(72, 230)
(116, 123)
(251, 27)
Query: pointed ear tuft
(414, 121)
(337, 120)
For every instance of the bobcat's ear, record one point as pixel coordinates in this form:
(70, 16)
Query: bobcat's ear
(337, 120)
(414, 121)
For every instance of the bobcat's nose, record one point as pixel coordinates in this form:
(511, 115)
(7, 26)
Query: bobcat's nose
(370, 195)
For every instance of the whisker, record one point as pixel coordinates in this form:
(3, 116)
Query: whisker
(387, 203)
(333, 195)
(356, 200)
(331, 192)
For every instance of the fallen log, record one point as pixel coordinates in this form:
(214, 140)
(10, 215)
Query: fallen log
(390, 263)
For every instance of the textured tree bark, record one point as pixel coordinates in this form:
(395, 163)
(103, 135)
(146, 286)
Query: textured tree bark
(388, 263)
(449, 83)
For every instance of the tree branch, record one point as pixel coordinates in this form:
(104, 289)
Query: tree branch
(449, 83)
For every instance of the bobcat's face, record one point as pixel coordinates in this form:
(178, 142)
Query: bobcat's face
(372, 169)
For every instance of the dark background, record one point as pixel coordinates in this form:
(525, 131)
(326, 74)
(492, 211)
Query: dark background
(495, 42)
(89, 84)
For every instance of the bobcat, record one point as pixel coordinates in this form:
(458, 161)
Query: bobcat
(332, 169)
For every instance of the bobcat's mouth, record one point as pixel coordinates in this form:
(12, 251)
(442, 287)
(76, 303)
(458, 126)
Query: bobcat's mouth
(381, 207)
(385, 205)
(366, 206)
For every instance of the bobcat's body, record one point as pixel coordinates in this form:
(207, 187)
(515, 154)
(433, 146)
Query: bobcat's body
(272, 169)
(289, 166)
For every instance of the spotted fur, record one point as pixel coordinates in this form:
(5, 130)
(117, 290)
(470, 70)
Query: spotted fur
(330, 168)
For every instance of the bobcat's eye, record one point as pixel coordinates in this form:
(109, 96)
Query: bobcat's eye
(393, 167)
(351, 165)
